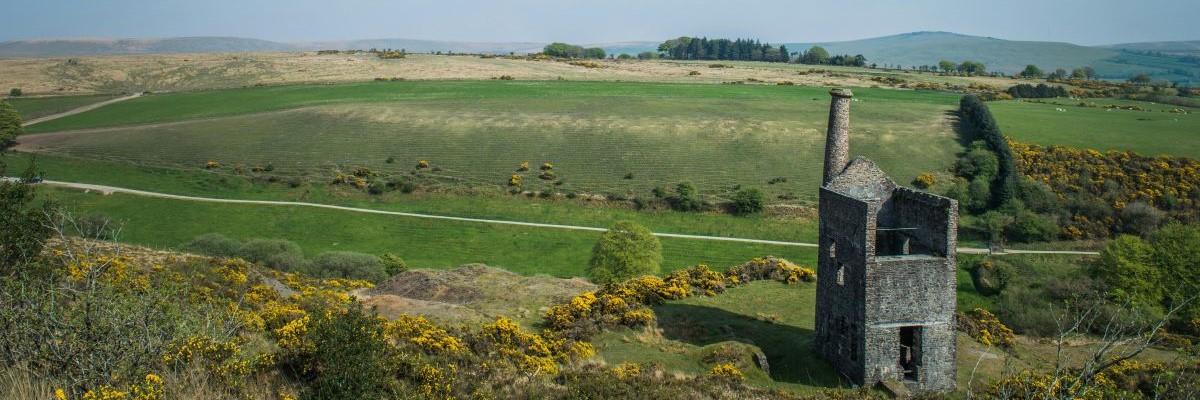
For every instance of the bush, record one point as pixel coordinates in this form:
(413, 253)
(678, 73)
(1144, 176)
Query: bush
(392, 264)
(350, 357)
(748, 201)
(15, 92)
(260, 250)
(97, 226)
(349, 265)
(10, 124)
(685, 198)
(1140, 218)
(1028, 226)
(625, 251)
(924, 181)
(213, 244)
(287, 262)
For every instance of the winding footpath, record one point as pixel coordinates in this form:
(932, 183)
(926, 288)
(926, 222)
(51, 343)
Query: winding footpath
(113, 189)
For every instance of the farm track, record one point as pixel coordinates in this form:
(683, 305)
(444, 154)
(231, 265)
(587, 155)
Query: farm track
(80, 110)
(112, 189)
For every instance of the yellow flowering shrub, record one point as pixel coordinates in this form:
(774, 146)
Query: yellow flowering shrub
(425, 335)
(726, 371)
(986, 328)
(627, 370)
(437, 382)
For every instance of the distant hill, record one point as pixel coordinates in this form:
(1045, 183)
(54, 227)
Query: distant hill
(1176, 47)
(88, 46)
(1011, 56)
(78, 47)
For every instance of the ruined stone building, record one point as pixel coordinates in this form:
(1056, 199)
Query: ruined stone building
(885, 297)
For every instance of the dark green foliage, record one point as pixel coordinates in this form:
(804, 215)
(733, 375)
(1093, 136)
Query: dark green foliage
(350, 265)
(1159, 273)
(23, 230)
(978, 124)
(213, 244)
(287, 262)
(564, 50)
(990, 278)
(1140, 218)
(1041, 91)
(972, 68)
(1031, 71)
(260, 250)
(351, 358)
(1038, 197)
(686, 198)
(10, 124)
(626, 250)
(15, 92)
(748, 201)
(392, 264)
(979, 163)
(1028, 226)
(692, 48)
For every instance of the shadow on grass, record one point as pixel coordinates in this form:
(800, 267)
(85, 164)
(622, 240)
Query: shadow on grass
(788, 348)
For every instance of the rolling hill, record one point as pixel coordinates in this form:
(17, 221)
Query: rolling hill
(92, 46)
(1011, 56)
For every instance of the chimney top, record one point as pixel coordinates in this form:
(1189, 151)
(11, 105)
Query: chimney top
(841, 93)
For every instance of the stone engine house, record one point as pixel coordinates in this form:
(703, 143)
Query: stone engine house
(885, 297)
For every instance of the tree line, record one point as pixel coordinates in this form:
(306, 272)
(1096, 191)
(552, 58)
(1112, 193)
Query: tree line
(691, 48)
(563, 50)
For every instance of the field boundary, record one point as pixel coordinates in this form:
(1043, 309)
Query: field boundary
(113, 189)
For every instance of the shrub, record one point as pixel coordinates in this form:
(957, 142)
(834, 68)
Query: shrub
(392, 264)
(748, 201)
(390, 160)
(986, 328)
(693, 73)
(924, 181)
(350, 356)
(15, 92)
(287, 262)
(213, 244)
(548, 175)
(212, 165)
(97, 226)
(1140, 218)
(260, 250)
(685, 198)
(625, 251)
(523, 167)
(349, 265)
(422, 164)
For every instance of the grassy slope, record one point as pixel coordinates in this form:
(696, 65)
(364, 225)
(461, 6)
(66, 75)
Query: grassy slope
(595, 133)
(423, 243)
(35, 107)
(1147, 132)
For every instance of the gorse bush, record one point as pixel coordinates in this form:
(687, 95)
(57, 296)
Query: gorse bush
(349, 265)
(748, 201)
(260, 250)
(626, 250)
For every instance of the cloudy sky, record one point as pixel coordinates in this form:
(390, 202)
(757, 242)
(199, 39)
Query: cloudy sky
(601, 21)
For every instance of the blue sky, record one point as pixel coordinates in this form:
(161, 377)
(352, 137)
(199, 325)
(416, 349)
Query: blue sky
(599, 21)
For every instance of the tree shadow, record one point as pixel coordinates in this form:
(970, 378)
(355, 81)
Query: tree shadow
(789, 349)
(960, 128)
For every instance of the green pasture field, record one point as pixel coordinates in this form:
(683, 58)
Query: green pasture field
(1152, 132)
(37, 107)
(602, 137)
(483, 205)
(423, 243)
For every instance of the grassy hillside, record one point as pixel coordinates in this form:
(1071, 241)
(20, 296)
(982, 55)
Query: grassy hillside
(607, 138)
(1172, 47)
(927, 48)
(1011, 56)
(1152, 131)
(35, 107)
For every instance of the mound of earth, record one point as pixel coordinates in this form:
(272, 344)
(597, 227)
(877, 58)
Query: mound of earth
(471, 293)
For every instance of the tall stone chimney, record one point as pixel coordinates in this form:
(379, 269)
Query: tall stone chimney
(837, 139)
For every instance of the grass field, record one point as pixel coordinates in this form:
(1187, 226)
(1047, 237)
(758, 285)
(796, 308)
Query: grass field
(1147, 132)
(423, 243)
(596, 134)
(36, 107)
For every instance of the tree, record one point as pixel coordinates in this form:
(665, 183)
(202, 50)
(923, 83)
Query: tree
(23, 231)
(1031, 71)
(14, 92)
(1125, 266)
(594, 52)
(627, 250)
(947, 66)
(972, 67)
(686, 198)
(647, 55)
(1140, 79)
(1078, 73)
(1060, 73)
(748, 201)
(816, 55)
(10, 124)
(1089, 72)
